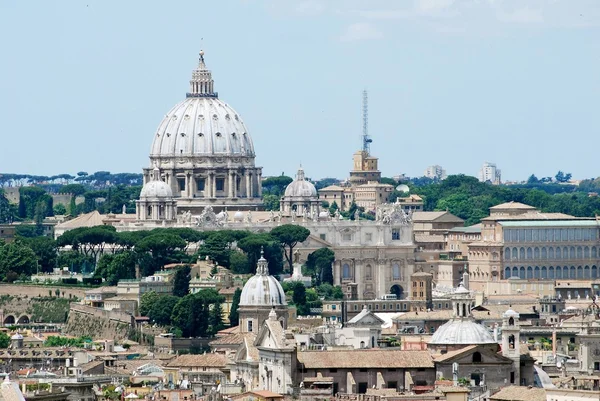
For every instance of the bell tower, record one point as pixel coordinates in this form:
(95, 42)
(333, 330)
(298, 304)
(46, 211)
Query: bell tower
(511, 343)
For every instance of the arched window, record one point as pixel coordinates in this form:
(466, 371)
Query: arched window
(559, 272)
(572, 272)
(511, 341)
(579, 252)
(477, 357)
(522, 253)
(529, 272)
(572, 252)
(544, 253)
(515, 254)
(579, 272)
(515, 271)
(551, 272)
(506, 272)
(529, 253)
(594, 252)
(586, 252)
(522, 272)
(346, 274)
(544, 272)
(511, 321)
(368, 273)
(551, 253)
(536, 272)
(396, 271)
(586, 272)
(565, 252)
(536, 253)
(594, 272)
(558, 253)
(507, 253)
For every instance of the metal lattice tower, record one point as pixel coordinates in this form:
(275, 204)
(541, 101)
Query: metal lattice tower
(365, 136)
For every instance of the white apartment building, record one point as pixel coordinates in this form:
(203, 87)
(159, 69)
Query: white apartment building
(435, 171)
(489, 172)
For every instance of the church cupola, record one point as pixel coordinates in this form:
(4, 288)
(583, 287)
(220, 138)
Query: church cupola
(202, 84)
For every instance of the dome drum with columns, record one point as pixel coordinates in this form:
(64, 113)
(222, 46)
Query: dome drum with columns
(156, 200)
(204, 152)
(261, 296)
(300, 197)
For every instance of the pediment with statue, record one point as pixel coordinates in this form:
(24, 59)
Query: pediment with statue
(208, 218)
(393, 214)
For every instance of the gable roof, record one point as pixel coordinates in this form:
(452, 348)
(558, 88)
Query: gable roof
(91, 219)
(365, 358)
(512, 205)
(519, 393)
(332, 188)
(453, 356)
(357, 320)
(438, 217)
(204, 360)
(276, 332)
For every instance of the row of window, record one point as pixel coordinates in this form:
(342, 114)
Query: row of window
(572, 252)
(558, 272)
(550, 234)
(348, 273)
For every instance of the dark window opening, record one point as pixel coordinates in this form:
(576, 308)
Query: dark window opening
(220, 184)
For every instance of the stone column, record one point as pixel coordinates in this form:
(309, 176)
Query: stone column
(213, 185)
(234, 175)
(248, 185)
(231, 184)
(259, 183)
(337, 272)
(193, 186)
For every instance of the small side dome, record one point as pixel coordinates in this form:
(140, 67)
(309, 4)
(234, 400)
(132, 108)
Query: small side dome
(262, 289)
(156, 189)
(300, 187)
(238, 216)
(510, 313)
(17, 336)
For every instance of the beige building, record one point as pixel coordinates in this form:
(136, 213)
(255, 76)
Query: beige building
(365, 187)
(519, 241)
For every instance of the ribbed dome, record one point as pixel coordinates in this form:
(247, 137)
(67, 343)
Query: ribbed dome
(156, 189)
(300, 188)
(202, 126)
(461, 332)
(262, 289)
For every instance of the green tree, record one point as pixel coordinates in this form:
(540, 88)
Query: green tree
(252, 246)
(72, 189)
(234, 316)
(45, 251)
(334, 206)
(238, 263)
(147, 301)
(299, 298)
(276, 185)
(4, 340)
(161, 310)
(113, 267)
(6, 212)
(156, 250)
(288, 236)
(191, 314)
(181, 281)
(73, 207)
(216, 247)
(76, 262)
(532, 179)
(271, 202)
(60, 210)
(318, 265)
(215, 319)
(18, 259)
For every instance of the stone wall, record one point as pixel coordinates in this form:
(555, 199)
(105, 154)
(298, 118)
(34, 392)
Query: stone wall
(98, 323)
(32, 291)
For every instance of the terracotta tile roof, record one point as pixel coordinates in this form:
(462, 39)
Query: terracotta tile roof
(260, 393)
(452, 354)
(370, 358)
(512, 205)
(424, 315)
(519, 393)
(208, 360)
(232, 339)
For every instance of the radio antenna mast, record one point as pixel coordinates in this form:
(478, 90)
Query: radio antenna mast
(366, 139)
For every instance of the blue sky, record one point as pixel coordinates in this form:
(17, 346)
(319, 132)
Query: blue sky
(84, 83)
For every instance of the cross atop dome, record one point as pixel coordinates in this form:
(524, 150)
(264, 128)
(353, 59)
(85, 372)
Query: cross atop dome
(300, 174)
(262, 267)
(202, 84)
